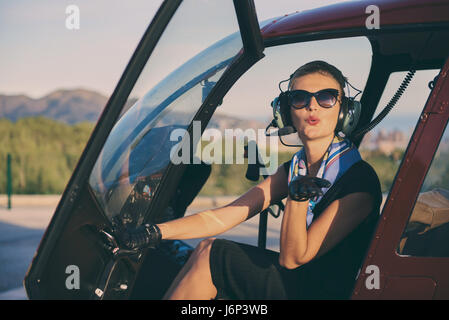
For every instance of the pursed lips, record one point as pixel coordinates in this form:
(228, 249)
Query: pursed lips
(312, 120)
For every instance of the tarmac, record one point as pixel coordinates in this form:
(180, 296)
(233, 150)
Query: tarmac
(22, 227)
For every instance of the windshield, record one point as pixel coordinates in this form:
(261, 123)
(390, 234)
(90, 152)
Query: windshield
(137, 151)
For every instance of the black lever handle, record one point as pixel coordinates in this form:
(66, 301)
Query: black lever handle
(112, 246)
(253, 170)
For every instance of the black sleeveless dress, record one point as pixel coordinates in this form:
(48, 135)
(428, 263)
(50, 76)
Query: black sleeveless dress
(241, 271)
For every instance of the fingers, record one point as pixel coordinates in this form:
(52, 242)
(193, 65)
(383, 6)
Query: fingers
(314, 191)
(310, 191)
(297, 191)
(322, 183)
(306, 187)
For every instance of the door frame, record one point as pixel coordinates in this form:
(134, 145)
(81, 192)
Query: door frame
(104, 125)
(400, 274)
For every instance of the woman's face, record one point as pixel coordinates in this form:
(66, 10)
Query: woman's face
(315, 122)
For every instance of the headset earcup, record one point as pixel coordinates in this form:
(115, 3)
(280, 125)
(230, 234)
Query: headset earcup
(342, 115)
(285, 110)
(356, 110)
(277, 117)
(348, 117)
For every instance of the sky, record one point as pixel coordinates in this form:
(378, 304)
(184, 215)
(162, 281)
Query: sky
(39, 54)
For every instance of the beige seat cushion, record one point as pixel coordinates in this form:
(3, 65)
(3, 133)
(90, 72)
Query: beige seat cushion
(431, 210)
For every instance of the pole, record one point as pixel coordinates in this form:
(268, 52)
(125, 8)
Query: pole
(8, 179)
(262, 237)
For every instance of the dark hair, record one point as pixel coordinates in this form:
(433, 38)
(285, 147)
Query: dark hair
(320, 67)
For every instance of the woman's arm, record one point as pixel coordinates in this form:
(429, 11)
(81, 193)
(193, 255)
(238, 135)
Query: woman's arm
(299, 245)
(212, 222)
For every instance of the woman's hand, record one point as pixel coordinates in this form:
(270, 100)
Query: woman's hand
(144, 236)
(303, 188)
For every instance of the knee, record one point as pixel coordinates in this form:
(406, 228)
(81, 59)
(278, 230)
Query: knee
(202, 250)
(205, 245)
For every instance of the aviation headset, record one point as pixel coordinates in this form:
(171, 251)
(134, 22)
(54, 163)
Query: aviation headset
(348, 116)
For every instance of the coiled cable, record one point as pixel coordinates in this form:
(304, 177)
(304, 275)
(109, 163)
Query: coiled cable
(387, 108)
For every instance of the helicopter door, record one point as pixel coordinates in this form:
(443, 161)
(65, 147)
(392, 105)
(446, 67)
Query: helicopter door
(124, 170)
(409, 256)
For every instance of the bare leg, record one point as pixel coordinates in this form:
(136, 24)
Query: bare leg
(194, 281)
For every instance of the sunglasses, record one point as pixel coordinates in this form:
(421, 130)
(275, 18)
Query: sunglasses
(326, 98)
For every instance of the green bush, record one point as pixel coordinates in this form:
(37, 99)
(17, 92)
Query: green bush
(44, 153)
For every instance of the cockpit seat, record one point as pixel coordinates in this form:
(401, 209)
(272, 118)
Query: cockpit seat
(427, 232)
(191, 183)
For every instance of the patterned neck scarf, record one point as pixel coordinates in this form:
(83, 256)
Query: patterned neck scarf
(339, 157)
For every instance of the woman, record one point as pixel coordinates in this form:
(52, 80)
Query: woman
(323, 238)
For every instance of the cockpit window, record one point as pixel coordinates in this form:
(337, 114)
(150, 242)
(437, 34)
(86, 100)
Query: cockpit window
(137, 152)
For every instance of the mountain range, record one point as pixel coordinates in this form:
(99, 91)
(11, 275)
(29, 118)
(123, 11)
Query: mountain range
(69, 106)
(78, 105)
